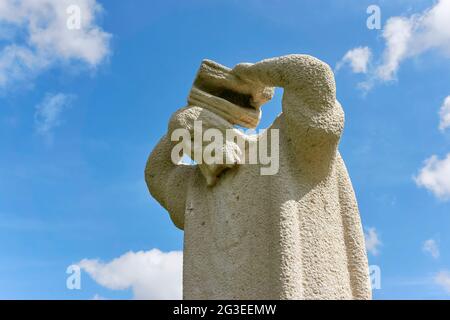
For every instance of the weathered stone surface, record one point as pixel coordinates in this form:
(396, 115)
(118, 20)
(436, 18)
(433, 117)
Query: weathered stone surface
(293, 235)
(236, 100)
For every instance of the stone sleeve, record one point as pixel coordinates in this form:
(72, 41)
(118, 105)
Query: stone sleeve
(168, 183)
(313, 118)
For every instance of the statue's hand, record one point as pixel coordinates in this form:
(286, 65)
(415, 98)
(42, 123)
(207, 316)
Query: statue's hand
(243, 71)
(230, 154)
(248, 73)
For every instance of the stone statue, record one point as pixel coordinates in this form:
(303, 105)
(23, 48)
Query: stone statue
(295, 234)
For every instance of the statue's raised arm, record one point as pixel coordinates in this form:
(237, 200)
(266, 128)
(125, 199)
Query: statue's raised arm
(313, 117)
(167, 182)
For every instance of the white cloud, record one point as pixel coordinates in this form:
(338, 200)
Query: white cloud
(357, 58)
(442, 279)
(49, 111)
(37, 37)
(407, 37)
(411, 36)
(18, 63)
(372, 241)
(435, 176)
(150, 274)
(430, 246)
(444, 114)
(397, 34)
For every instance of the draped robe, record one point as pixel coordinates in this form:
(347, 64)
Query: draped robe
(293, 235)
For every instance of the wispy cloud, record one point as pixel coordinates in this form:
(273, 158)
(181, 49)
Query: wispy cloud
(431, 247)
(49, 112)
(397, 34)
(442, 279)
(37, 37)
(407, 37)
(358, 59)
(444, 114)
(372, 241)
(150, 274)
(435, 176)
(411, 36)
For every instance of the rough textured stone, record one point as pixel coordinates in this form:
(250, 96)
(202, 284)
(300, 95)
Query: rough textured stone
(293, 235)
(236, 100)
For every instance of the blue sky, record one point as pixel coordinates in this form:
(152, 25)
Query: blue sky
(81, 110)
